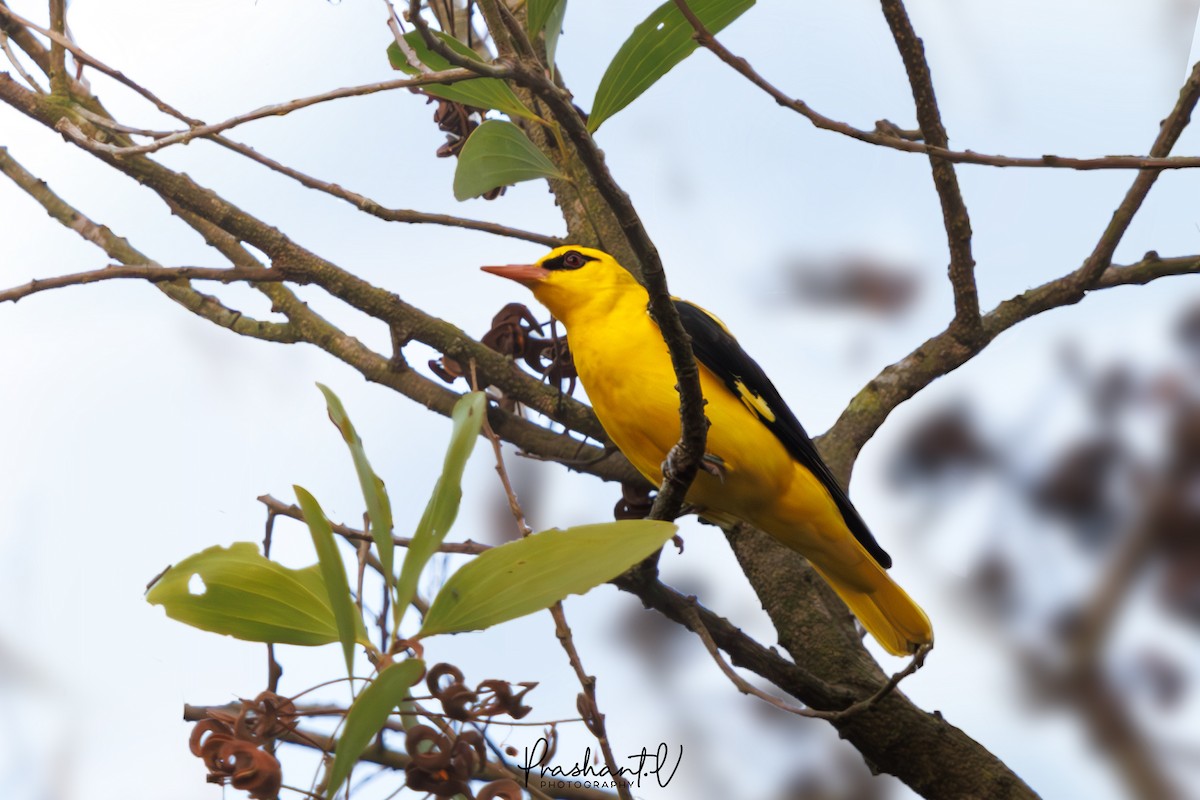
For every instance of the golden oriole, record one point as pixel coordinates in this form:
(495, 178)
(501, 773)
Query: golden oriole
(762, 466)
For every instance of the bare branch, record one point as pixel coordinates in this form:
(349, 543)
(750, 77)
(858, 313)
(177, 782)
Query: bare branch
(282, 109)
(147, 272)
(375, 209)
(954, 209)
(1171, 129)
(59, 40)
(888, 135)
(118, 248)
(282, 509)
(12, 59)
(945, 352)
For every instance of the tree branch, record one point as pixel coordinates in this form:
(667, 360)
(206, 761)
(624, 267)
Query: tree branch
(282, 109)
(118, 248)
(375, 209)
(887, 135)
(954, 209)
(152, 273)
(59, 80)
(1169, 132)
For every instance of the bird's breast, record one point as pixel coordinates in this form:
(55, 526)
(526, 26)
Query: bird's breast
(626, 369)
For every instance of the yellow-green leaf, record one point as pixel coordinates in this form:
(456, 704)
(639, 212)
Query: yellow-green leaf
(660, 42)
(547, 14)
(533, 573)
(345, 615)
(237, 592)
(498, 154)
(368, 714)
(477, 92)
(379, 507)
(442, 509)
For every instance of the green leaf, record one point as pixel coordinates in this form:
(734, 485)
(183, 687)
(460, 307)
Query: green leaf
(379, 507)
(533, 573)
(660, 42)
(368, 714)
(477, 92)
(249, 597)
(547, 14)
(498, 154)
(468, 416)
(345, 615)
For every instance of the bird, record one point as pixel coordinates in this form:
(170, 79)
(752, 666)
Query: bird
(760, 466)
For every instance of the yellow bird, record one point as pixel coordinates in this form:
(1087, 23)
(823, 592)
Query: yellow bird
(762, 466)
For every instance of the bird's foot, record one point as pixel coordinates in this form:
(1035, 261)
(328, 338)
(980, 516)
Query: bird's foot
(714, 465)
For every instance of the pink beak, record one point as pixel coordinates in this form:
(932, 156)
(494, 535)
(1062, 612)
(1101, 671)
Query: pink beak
(524, 274)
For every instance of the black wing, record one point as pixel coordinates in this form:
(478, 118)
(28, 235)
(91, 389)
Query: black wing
(716, 349)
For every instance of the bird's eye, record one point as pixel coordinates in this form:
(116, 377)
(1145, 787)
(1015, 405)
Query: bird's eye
(573, 260)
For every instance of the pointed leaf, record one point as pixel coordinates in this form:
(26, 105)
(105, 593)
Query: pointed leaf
(442, 509)
(477, 92)
(547, 14)
(379, 507)
(498, 154)
(238, 592)
(345, 615)
(660, 42)
(533, 573)
(368, 714)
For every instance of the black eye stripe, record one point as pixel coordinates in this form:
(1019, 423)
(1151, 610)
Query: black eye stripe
(572, 259)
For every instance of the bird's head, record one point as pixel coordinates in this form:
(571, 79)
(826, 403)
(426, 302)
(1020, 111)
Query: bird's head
(571, 278)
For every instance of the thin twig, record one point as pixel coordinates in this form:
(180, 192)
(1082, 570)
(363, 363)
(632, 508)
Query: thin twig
(1090, 272)
(59, 40)
(146, 272)
(593, 717)
(282, 109)
(355, 535)
(376, 209)
(897, 139)
(954, 209)
(12, 58)
(514, 505)
(120, 249)
(697, 625)
(274, 669)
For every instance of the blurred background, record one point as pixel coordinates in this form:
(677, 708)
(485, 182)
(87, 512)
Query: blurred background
(1042, 502)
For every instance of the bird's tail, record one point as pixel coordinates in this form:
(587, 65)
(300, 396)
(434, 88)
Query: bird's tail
(884, 609)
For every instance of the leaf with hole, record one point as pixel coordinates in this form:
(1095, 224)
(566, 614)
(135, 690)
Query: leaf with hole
(498, 154)
(442, 509)
(656, 45)
(238, 592)
(476, 92)
(369, 713)
(379, 507)
(534, 573)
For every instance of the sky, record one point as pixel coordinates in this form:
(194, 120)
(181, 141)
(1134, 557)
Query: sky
(137, 434)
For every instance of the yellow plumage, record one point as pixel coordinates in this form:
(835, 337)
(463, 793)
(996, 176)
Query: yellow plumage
(624, 365)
